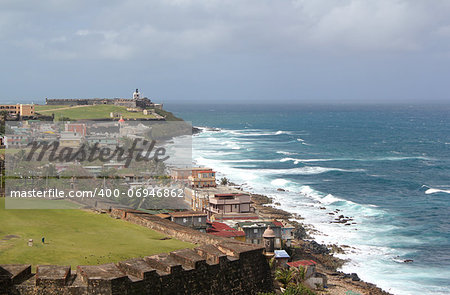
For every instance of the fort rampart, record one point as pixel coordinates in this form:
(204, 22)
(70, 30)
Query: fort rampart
(126, 102)
(216, 266)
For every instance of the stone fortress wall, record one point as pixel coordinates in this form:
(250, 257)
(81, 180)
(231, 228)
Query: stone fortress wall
(216, 266)
(125, 102)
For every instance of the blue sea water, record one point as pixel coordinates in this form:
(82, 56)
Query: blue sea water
(388, 168)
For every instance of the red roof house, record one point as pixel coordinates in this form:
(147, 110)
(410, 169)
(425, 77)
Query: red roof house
(222, 230)
(308, 265)
(302, 263)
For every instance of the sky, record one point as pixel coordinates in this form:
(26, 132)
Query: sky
(217, 51)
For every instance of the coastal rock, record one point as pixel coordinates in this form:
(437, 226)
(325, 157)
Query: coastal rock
(317, 248)
(196, 130)
(261, 199)
(352, 276)
(300, 232)
(336, 249)
(281, 189)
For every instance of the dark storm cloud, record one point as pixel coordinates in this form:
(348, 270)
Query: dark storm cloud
(183, 50)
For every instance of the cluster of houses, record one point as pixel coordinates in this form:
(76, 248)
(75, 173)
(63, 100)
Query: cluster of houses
(105, 134)
(74, 135)
(227, 212)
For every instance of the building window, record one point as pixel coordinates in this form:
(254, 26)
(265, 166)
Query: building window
(184, 220)
(255, 231)
(255, 241)
(199, 219)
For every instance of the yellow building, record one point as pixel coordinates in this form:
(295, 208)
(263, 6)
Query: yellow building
(22, 110)
(196, 177)
(202, 177)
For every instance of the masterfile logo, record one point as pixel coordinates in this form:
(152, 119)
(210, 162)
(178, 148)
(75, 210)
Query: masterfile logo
(95, 152)
(95, 164)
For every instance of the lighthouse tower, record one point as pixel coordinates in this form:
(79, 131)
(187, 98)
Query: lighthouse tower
(136, 94)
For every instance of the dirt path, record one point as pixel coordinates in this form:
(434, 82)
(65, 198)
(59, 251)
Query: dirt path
(71, 107)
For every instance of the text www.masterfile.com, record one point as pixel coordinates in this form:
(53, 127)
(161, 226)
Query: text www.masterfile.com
(100, 192)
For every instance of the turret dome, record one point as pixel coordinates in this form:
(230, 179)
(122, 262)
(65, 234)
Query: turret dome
(269, 233)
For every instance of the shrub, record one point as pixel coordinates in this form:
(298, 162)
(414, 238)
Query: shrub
(300, 289)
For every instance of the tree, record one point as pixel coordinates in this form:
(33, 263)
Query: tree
(284, 276)
(3, 117)
(224, 181)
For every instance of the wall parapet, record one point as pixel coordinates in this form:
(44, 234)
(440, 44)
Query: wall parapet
(167, 227)
(217, 266)
(225, 268)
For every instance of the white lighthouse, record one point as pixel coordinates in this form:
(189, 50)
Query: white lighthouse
(136, 94)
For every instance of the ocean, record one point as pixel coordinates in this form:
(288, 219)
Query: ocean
(386, 167)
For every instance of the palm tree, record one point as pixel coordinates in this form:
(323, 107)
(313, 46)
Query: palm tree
(3, 118)
(299, 274)
(284, 276)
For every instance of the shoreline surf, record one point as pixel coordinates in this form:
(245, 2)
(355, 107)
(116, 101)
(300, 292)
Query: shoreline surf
(329, 231)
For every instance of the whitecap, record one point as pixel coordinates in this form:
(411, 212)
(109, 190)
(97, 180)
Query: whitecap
(435, 190)
(249, 132)
(281, 132)
(232, 145)
(286, 153)
(307, 170)
(289, 159)
(250, 161)
(330, 199)
(279, 182)
(296, 161)
(400, 158)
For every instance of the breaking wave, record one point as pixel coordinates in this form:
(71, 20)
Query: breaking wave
(433, 190)
(307, 170)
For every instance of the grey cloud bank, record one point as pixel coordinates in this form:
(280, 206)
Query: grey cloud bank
(243, 50)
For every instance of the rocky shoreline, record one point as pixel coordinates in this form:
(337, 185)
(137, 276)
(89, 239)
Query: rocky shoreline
(304, 247)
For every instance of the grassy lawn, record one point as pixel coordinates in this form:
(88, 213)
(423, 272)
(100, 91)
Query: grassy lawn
(88, 112)
(29, 203)
(75, 237)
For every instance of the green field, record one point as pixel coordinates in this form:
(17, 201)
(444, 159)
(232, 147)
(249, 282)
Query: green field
(75, 237)
(88, 112)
